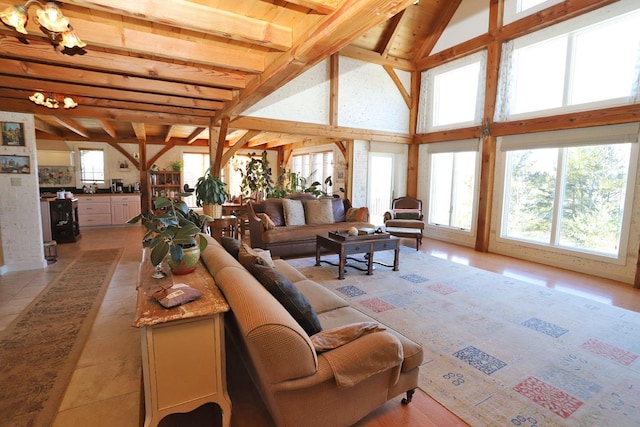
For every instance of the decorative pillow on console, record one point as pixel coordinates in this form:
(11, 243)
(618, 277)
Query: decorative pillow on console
(177, 294)
(341, 335)
(318, 211)
(407, 213)
(288, 295)
(357, 214)
(293, 212)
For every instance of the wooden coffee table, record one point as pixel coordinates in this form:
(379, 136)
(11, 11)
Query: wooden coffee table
(357, 245)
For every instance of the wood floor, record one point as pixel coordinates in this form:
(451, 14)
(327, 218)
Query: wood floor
(105, 389)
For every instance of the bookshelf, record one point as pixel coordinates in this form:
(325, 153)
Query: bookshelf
(163, 184)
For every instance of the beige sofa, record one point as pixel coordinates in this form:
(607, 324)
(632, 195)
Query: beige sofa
(299, 386)
(285, 240)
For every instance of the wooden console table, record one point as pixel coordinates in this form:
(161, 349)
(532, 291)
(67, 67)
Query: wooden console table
(183, 349)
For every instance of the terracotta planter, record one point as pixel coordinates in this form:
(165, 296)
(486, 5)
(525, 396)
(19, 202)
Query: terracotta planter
(189, 262)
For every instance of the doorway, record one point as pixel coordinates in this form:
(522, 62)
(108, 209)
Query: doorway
(380, 186)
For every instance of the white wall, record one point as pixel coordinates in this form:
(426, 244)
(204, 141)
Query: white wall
(20, 221)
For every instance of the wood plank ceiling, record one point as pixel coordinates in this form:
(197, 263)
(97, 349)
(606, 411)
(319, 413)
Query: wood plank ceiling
(162, 72)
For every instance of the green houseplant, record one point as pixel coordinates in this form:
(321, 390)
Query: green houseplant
(256, 178)
(210, 192)
(175, 230)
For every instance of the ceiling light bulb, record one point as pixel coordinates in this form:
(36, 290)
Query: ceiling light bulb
(71, 40)
(15, 17)
(37, 98)
(69, 102)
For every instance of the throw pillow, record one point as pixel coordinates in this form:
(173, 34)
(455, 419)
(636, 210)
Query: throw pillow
(248, 257)
(357, 214)
(289, 296)
(176, 295)
(267, 223)
(341, 335)
(231, 245)
(265, 254)
(406, 213)
(273, 208)
(318, 211)
(293, 212)
(338, 209)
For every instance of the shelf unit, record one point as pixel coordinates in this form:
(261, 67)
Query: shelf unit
(162, 183)
(65, 227)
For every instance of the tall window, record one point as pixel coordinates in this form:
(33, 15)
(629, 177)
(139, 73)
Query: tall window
(452, 94)
(91, 166)
(314, 167)
(570, 196)
(195, 164)
(453, 180)
(575, 65)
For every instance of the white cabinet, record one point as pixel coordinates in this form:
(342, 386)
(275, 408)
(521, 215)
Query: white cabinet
(94, 210)
(124, 208)
(106, 209)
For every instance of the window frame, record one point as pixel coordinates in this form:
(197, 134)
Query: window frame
(81, 177)
(603, 135)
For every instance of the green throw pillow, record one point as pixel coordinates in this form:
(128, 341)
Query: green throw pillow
(289, 296)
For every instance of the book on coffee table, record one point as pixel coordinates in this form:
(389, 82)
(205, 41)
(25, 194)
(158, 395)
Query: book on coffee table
(343, 235)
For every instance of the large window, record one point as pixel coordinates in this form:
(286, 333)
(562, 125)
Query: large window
(195, 164)
(573, 66)
(91, 166)
(453, 178)
(452, 94)
(314, 167)
(572, 195)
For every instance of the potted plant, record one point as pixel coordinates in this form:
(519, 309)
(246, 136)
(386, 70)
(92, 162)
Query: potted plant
(175, 230)
(210, 194)
(256, 178)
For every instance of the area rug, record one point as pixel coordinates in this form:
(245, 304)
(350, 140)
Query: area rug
(40, 349)
(499, 351)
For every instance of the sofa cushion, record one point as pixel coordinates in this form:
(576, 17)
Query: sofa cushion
(321, 298)
(288, 295)
(231, 245)
(338, 209)
(273, 208)
(335, 337)
(407, 213)
(300, 233)
(357, 214)
(319, 211)
(249, 257)
(293, 212)
(288, 271)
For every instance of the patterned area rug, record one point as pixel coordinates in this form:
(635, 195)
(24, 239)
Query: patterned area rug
(40, 349)
(498, 351)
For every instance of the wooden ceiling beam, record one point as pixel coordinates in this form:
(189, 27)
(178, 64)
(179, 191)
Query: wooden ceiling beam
(448, 9)
(393, 26)
(323, 39)
(100, 34)
(195, 134)
(108, 128)
(124, 152)
(169, 133)
(38, 50)
(106, 93)
(140, 131)
(45, 127)
(396, 80)
(72, 125)
(197, 17)
(14, 67)
(321, 6)
(373, 57)
(240, 143)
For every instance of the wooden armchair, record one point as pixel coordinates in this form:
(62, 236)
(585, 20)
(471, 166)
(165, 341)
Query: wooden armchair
(405, 219)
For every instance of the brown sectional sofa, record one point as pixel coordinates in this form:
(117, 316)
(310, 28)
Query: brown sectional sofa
(299, 386)
(295, 240)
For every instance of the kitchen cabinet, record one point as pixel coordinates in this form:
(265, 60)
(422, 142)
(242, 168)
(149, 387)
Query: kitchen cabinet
(124, 208)
(94, 210)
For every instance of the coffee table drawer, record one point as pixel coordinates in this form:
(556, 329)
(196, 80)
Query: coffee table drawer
(357, 249)
(381, 246)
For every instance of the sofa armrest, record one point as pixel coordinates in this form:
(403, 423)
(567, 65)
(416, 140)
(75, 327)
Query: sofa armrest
(354, 362)
(256, 228)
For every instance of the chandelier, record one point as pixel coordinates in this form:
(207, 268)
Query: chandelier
(51, 102)
(48, 17)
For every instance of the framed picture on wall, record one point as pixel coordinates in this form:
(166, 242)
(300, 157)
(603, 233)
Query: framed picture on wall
(12, 134)
(15, 164)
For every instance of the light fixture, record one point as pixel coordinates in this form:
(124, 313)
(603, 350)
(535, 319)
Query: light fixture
(51, 102)
(48, 17)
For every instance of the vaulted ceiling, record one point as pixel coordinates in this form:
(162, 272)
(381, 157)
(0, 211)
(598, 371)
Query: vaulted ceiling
(163, 72)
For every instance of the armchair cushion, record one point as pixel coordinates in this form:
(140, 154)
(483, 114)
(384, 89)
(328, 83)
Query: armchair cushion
(407, 214)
